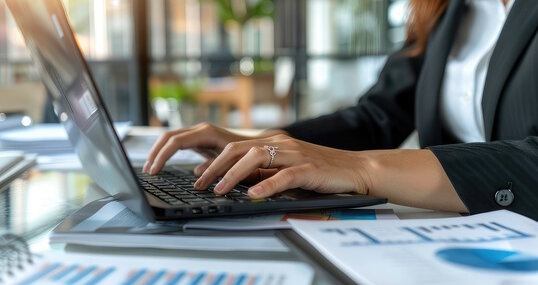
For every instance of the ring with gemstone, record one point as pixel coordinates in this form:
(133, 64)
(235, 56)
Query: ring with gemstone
(272, 153)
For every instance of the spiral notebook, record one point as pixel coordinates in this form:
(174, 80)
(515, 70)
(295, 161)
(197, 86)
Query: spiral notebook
(19, 266)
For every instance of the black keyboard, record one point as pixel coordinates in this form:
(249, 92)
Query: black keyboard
(177, 188)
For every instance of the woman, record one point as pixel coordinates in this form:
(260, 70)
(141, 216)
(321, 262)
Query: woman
(467, 81)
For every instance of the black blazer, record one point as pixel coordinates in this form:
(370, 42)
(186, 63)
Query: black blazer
(406, 97)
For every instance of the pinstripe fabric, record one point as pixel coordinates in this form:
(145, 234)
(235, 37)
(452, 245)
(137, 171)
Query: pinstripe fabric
(510, 105)
(478, 170)
(409, 87)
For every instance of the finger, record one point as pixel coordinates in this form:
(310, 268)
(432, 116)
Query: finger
(253, 160)
(285, 179)
(232, 153)
(198, 170)
(227, 158)
(161, 141)
(189, 139)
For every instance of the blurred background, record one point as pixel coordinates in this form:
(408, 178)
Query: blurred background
(235, 63)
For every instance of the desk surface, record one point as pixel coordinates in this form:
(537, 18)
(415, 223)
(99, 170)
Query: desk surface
(32, 205)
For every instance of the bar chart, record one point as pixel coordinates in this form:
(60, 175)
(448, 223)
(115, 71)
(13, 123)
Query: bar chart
(441, 233)
(58, 273)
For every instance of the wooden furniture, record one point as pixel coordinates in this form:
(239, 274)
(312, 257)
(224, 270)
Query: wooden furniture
(27, 97)
(227, 93)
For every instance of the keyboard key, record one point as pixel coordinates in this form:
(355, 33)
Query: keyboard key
(169, 200)
(220, 200)
(200, 203)
(193, 200)
(206, 195)
(188, 196)
(176, 192)
(236, 194)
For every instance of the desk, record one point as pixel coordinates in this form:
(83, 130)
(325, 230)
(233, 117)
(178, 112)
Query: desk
(34, 204)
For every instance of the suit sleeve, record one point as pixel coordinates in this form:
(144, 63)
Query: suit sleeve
(478, 170)
(383, 117)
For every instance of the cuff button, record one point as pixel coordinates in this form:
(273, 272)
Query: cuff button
(504, 197)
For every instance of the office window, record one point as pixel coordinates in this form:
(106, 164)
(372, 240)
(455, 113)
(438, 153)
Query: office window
(105, 34)
(212, 60)
(346, 45)
(272, 61)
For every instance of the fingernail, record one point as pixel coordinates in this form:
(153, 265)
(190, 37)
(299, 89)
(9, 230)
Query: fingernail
(256, 191)
(145, 167)
(152, 170)
(220, 186)
(198, 183)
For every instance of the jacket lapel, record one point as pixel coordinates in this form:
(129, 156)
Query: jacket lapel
(429, 84)
(518, 30)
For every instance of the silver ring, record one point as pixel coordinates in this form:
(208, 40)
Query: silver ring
(272, 153)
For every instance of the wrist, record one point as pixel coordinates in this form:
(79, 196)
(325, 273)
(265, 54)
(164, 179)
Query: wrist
(273, 132)
(365, 164)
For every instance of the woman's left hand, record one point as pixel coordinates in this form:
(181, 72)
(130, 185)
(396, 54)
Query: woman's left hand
(295, 164)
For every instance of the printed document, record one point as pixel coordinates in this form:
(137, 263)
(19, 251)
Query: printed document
(71, 268)
(499, 247)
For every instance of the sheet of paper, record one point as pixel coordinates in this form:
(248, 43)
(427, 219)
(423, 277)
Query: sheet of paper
(137, 149)
(72, 268)
(280, 221)
(46, 139)
(493, 248)
(109, 223)
(50, 133)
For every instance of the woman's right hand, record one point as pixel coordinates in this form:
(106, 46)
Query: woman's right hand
(204, 138)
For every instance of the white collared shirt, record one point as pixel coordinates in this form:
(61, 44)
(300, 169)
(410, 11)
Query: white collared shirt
(467, 65)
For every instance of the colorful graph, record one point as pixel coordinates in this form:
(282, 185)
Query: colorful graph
(490, 259)
(472, 233)
(57, 273)
(335, 215)
(69, 274)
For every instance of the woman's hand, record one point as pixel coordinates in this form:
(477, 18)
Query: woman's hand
(296, 164)
(408, 177)
(204, 138)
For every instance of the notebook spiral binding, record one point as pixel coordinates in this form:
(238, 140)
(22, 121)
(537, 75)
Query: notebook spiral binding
(15, 255)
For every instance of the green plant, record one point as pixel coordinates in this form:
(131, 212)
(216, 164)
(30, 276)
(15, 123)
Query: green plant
(183, 92)
(241, 11)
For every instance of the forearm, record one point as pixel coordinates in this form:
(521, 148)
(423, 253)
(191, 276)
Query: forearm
(411, 177)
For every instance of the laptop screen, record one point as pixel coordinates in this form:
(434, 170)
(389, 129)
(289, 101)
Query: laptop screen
(76, 100)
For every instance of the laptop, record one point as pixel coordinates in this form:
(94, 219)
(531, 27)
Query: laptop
(81, 109)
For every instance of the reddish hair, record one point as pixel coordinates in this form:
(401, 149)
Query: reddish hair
(423, 17)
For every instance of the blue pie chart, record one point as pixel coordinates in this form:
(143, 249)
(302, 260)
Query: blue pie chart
(490, 259)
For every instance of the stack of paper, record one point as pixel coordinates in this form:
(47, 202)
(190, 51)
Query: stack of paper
(280, 221)
(492, 248)
(44, 139)
(107, 222)
(41, 139)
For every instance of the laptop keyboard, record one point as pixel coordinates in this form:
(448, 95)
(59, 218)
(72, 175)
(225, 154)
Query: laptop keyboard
(177, 188)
